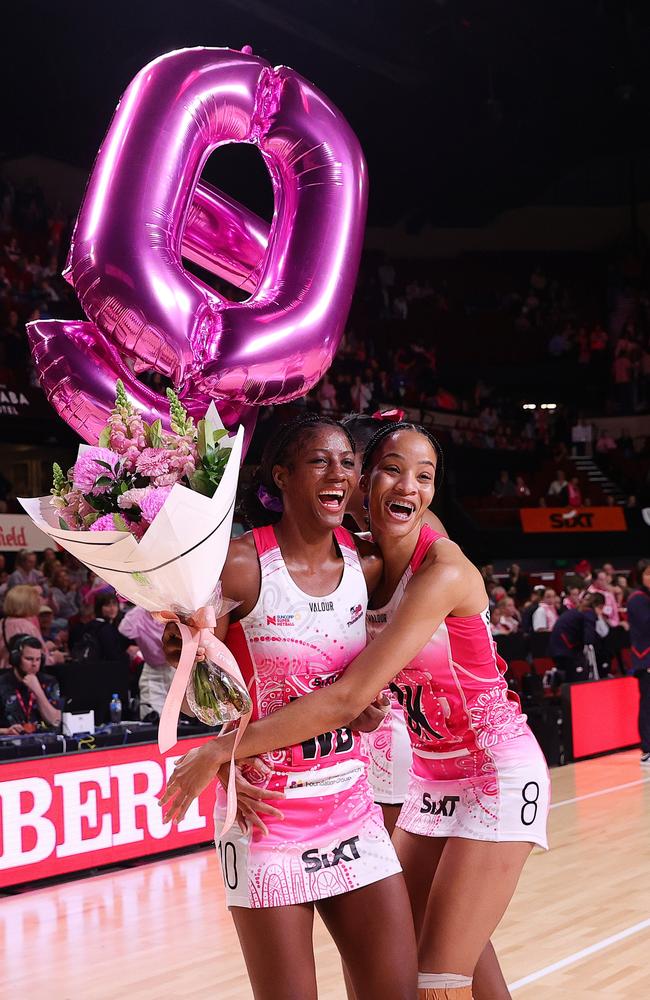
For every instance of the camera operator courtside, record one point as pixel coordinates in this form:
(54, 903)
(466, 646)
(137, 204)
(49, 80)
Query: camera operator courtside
(27, 698)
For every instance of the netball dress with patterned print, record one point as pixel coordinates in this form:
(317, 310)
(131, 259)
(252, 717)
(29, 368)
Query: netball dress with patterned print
(477, 770)
(389, 753)
(332, 837)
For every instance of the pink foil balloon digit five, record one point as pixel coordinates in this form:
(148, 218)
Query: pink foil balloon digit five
(145, 207)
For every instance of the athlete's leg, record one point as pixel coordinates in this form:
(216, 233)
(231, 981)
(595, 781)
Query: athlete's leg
(474, 882)
(278, 950)
(488, 982)
(390, 814)
(419, 858)
(373, 931)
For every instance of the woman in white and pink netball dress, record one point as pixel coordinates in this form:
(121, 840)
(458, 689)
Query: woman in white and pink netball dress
(479, 790)
(301, 585)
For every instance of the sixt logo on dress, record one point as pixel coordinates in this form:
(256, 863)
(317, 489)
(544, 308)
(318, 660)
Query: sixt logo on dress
(313, 860)
(445, 807)
(355, 613)
(285, 621)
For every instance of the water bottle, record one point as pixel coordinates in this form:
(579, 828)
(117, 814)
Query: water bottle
(116, 709)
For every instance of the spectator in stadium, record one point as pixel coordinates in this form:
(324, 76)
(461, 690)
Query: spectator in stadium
(530, 608)
(517, 585)
(605, 442)
(48, 563)
(581, 437)
(601, 585)
(25, 573)
(504, 486)
(21, 607)
(598, 346)
(360, 394)
(571, 599)
(558, 491)
(521, 489)
(638, 610)
(326, 396)
(509, 617)
(140, 628)
(100, 638)
(496, 625)
(545, 616)
(27, 699)
(63, 595)
(49, 630)
(574, 493)
(559, 344)
(575, 629)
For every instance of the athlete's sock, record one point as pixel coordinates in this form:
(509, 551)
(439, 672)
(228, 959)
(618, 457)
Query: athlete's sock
(444, 986)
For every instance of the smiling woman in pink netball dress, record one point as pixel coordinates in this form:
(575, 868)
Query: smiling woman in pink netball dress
(478, 793)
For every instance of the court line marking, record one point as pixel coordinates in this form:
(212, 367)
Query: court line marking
(601, 791)
(578, 955)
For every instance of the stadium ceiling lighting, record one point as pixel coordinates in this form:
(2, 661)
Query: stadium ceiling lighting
(529, 406)
(548, 406)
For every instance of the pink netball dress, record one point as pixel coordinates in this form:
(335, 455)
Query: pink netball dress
(332, 838)
(389, 754)
(477, 770)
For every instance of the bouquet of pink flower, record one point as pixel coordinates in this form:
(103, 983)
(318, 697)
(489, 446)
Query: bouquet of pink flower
(150, 511)
(122, 484)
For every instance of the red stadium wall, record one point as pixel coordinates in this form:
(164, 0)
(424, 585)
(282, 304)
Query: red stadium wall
(604, 716)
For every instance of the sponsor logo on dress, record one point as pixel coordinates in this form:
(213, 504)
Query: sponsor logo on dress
(377, 619)
(443, 807)
(321, 605)
(355, 613)
(314, 860)
(285, 621)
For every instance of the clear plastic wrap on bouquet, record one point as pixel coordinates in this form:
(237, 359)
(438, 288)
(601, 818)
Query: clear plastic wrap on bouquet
(215, 693)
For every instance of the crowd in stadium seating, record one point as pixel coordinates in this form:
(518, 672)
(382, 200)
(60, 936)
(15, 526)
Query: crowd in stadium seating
(537, 614)
(68, 613)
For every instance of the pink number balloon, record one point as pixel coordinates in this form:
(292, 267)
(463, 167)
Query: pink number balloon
(145, 208)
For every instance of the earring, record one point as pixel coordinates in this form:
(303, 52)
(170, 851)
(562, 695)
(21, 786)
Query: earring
(365, 502)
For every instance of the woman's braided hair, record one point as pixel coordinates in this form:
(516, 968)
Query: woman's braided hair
(280, 449)
(387, 429)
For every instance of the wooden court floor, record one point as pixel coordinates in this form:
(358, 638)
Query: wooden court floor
(578, 928)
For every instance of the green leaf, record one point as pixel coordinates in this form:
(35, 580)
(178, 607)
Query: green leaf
(104, 481)
(205, 438)
(155, 437)
(91, 518)
(62, 524)
(104, 465)
(105, 438)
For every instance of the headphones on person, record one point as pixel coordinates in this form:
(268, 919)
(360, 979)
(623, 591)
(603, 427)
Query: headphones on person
(18, 643)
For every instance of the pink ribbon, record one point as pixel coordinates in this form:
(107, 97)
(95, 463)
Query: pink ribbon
(197, 631)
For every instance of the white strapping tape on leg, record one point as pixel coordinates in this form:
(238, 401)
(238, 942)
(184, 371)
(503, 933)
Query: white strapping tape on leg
(442, 981)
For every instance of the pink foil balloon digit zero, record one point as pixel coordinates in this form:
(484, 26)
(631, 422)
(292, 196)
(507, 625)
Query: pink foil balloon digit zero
(145, 207)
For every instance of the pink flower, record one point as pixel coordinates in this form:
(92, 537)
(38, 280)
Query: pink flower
(72, 508)
(116, 522)
(87, 470)
(107, 523)
(132, 498)
(152, 503)
(165, 466)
